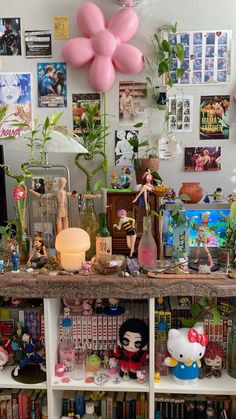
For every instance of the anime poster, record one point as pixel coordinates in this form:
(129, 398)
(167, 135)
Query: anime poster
(132, 103)
(207, 56)
(15, 102)
(214, 117)
(79, 103)
(180, 113)
(61, 27)
(202, 159)
(38, 44)
(124, 152)
(52, 85)
(10, 36)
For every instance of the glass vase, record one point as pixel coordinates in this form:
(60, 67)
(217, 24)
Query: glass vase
(147, 248)
(89, 222)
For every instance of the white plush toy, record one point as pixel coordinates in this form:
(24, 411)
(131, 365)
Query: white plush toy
(186, 347)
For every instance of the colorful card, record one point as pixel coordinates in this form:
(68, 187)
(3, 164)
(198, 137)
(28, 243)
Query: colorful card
(52, 85)
(201, 159)
(214, 117)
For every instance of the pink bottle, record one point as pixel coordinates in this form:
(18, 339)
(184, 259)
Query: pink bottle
(147, 248)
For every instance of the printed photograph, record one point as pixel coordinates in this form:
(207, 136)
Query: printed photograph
(81, 102)
(15, 100)
(132, 103)
(214, 117)
(124, 152)
(38, 44)
(202, 159)
(61, 27)
(180, 113)
(52, 85)
(10, 36)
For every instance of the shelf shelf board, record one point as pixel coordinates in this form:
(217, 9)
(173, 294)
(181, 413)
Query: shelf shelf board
(6, 381)
(224, 385)
(106, 286)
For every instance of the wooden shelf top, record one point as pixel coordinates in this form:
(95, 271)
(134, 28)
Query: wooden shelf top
(101, 286)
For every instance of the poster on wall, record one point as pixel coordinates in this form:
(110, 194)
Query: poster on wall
(79, 103)
(38, 44)
(207, 56)
(52, 85)
(10, 36)
(132, 103)
(61, 27)
(124, 152)
(214, 117)
(180, 113)
(15, 102)
(201, 159)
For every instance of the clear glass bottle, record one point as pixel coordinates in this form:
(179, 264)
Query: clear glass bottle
(89, 411)
(231, 350)
(147, 248)
(89, 222)
(79, 370)
(66, 348)
(161, 351)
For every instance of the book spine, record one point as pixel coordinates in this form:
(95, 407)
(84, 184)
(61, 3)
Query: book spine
(79, 331)
(74, 331)
(94, 332)
(84, 331)
(100, 339)
(114, 331)
(89, 332)
(109, 408)
(104, 332)
(109, 330)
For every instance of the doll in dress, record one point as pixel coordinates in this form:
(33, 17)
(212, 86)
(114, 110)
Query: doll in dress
(147, 187)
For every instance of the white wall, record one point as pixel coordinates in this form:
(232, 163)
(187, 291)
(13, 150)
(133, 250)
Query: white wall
(190, 15)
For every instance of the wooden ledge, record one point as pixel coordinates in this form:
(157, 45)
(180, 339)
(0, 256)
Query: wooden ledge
(102, 286)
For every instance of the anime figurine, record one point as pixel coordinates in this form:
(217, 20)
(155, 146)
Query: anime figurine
(38, 254)
(3, 357)
(147, 187)
(15, 260)
(141, 376)
(128, 224)
(98, 306)
(1, 266)
(213, 360)
(113, 366)
(114, 309)
(124, 179)
(86, 268)
(114, 181)
(202, 238)
(186, 347)
(29, 347)
(87, 307)
(218, 195)
(131, 350)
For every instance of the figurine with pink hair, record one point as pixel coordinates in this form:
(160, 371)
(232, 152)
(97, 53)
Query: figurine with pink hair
(128, 224)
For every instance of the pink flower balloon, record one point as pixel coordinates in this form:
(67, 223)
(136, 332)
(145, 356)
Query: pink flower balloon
(105, 47)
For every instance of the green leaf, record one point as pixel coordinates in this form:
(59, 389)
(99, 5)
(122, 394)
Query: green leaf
(156, 176)
(187, 322)
(216, 316)
(149, 80)
(98, 185)
(183, 197)
(165, 45)
(196, 310)
(174, 28)
(170, 82)
(179, 50)
(138, 125)
(161, 107)
(204, 302)
(163, 68)
(180, 72)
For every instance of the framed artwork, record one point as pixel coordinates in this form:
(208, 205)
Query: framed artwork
(124, 152)
(214, 117)
(38, 44)
(10, 35)
(202, 159)
(79, 101)
(52, 85)
(207, 56)
(132, 103)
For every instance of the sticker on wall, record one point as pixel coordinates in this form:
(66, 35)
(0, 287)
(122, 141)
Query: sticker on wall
(214, 117)
(15, 103)
(124, 152)
(52, 85)
(61, 27)
(207, 56)
(201, 159)
(79, 104)
(38, 44)
(132, 103)
(10, 36)
(180, 113)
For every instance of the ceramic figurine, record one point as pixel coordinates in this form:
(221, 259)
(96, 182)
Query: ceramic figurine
(114, 309)
(147, 187)
(3, 357)
(186, 347)
(213, 360)
(15, 260)
(86, 268)
(98, 306)
(202, 239)
(113, 366)
(38, 254)
(131, 350)
(124, 179)
(141, 376)
(218, 195)
(30, 355)
(87, 307)
(128, 224)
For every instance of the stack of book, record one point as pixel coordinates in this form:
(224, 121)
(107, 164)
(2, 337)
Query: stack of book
(22, 404)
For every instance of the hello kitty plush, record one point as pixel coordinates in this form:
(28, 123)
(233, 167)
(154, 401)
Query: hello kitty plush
(186, 347)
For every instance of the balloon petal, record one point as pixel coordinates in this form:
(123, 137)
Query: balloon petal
(128, 59)
(90, 19)
(101, 74)
(124, 24)
(78, 51)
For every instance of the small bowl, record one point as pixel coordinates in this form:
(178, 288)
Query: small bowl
(108, 264)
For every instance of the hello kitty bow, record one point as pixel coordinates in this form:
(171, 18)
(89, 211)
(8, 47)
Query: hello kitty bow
(194, 336)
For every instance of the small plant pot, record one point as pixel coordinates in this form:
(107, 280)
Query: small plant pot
(141, 165)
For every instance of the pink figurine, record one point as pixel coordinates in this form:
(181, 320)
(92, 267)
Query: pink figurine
(86, 268)
(127, 223)
(148, 186)
(141, 376)
(87, 307)
(3, 357)
(113, 366)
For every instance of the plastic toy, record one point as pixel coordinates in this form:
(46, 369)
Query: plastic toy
(114, 309)
(87, 307)
(202, 238)
(1, 266)
(38, 255)
(131, 350)
(186, 347)
(213, 361)
(147, 187)
(86, 268)
(104, 45)
(141, 376)
(29, 346)
(124, 178)
(113, 366)
(128, 224)
(3, 357)
(15, 260)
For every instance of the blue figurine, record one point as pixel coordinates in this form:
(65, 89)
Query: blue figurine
(29, 346)
(1, 266)
(15, 260)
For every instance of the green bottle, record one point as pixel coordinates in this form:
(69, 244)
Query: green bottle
(103, 237)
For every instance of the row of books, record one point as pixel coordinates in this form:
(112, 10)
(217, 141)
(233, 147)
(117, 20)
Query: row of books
(194, 407)
(109, 405)
(22, 404)
(100, 331)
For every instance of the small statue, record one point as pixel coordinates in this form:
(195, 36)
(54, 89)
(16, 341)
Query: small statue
(87, 307)
(124, 178)
(186, 347)
(98, 306)
(114, 309)
(213, 361)
(128, 224)
(141, 376)
(86, 268)
(147, 187)
(3, 357)
(38, 254)
(202, 238)
(113, 366)
(15, 260)
(1, 266)
(29, 346)
(218, 195)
